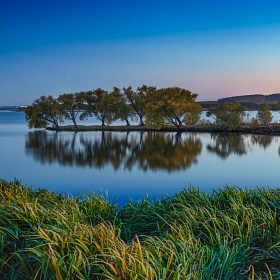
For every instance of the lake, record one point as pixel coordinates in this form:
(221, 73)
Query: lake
(132, 165)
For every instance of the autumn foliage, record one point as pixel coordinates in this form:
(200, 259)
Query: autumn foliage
(152, 107)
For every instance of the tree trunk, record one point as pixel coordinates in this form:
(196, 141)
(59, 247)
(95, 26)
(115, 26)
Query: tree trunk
(127, 122)
(141, 120)
(55, 124)
(75, 123)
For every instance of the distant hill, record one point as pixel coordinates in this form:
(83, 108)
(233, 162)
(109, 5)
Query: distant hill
(255, 98)
(250, 102)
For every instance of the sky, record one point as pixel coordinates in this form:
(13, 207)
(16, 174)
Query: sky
(213, 48)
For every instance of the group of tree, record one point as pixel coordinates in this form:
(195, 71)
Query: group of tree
(230, 116)
(151, 106)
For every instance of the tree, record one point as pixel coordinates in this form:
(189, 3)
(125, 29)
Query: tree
(44, 111)
(90, 100)
(138, 99)
(71, 104)
(264, 116)
(172, 105)
(120, 106)
(106, 106)
(107, 110)
(228, 116)
(94, 100)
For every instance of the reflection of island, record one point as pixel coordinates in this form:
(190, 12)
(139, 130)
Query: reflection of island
(146, 150)
(226, 144)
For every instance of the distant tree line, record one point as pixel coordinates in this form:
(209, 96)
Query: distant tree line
(254, 98)
(249, 106)
(150, 106)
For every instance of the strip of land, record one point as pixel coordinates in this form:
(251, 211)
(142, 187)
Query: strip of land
(246, 128)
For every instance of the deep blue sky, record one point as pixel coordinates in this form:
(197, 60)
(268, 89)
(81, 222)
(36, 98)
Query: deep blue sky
(213, 48)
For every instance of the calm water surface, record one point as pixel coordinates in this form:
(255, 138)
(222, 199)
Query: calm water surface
(134, 164)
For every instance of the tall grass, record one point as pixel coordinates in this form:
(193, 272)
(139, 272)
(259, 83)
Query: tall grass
(232, 233)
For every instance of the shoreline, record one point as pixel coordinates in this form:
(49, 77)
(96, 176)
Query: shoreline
(260, 129)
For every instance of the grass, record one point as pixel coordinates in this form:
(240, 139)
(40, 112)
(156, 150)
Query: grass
(232, 233)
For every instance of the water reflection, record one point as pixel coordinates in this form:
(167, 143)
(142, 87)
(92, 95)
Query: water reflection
(262, 140)
(225, 144)
(145, 150)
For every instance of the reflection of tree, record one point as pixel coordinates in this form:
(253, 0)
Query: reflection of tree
(105, 150)
(263, 140)
(48, 148)
(167, 151)
(147, 150)
(226, 144)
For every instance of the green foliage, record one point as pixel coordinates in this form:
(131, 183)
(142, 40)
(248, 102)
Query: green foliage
(121, 108)
(44, 111)
(71, 104)
(172, 106)
(109, 107)
(232, 233)
(228, 116)
(96, 105)
(192, 113)
(164, 106)
(106, 106)
(138, 99)
(90, 100)
(264, 116)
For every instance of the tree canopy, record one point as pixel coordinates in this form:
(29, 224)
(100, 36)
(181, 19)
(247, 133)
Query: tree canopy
(44, 111)
(264, 116)
(228, 116)
(155, 107)
(172, 105)
(71, 105)
(138, 99)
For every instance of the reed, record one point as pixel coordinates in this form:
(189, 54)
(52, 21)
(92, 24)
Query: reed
(231, 233)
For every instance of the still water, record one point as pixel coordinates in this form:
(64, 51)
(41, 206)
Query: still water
(135, 164)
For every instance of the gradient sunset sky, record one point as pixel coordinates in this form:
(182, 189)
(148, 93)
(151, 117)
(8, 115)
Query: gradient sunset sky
(213, 48)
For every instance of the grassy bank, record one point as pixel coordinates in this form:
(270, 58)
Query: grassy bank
(229, 234)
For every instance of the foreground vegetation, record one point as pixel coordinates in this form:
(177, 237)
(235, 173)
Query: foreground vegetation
(232, 233)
